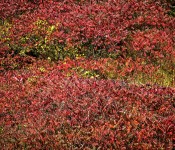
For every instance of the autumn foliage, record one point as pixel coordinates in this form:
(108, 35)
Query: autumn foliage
(74, 74)
(70, 113)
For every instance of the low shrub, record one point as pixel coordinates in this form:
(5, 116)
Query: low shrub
(62, 112)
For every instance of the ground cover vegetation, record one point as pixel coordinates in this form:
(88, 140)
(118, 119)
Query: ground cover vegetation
(95, 74)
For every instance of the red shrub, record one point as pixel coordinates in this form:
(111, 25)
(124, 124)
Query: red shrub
(70, 112)
(95, 27)
(42, 108)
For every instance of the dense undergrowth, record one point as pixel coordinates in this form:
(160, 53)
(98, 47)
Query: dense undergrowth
(87, 74)
(60, 112)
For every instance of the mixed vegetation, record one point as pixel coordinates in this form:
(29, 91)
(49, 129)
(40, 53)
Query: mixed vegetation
(94, 74)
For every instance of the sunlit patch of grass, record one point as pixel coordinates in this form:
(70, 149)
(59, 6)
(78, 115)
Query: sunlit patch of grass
(163, 77)
(86, 73)
(159, 78)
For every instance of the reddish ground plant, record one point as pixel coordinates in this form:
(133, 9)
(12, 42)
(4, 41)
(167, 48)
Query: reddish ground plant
(140, 34)
(54, 111)
(92, 27)
(68, 71)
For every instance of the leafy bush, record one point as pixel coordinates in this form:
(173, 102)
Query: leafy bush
(93, 29)
(71, 74)
(62, 112)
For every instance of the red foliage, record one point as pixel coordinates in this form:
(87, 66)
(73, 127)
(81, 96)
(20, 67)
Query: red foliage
(70, 112)
(105, 25)
(10, 9)
(44, 108)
